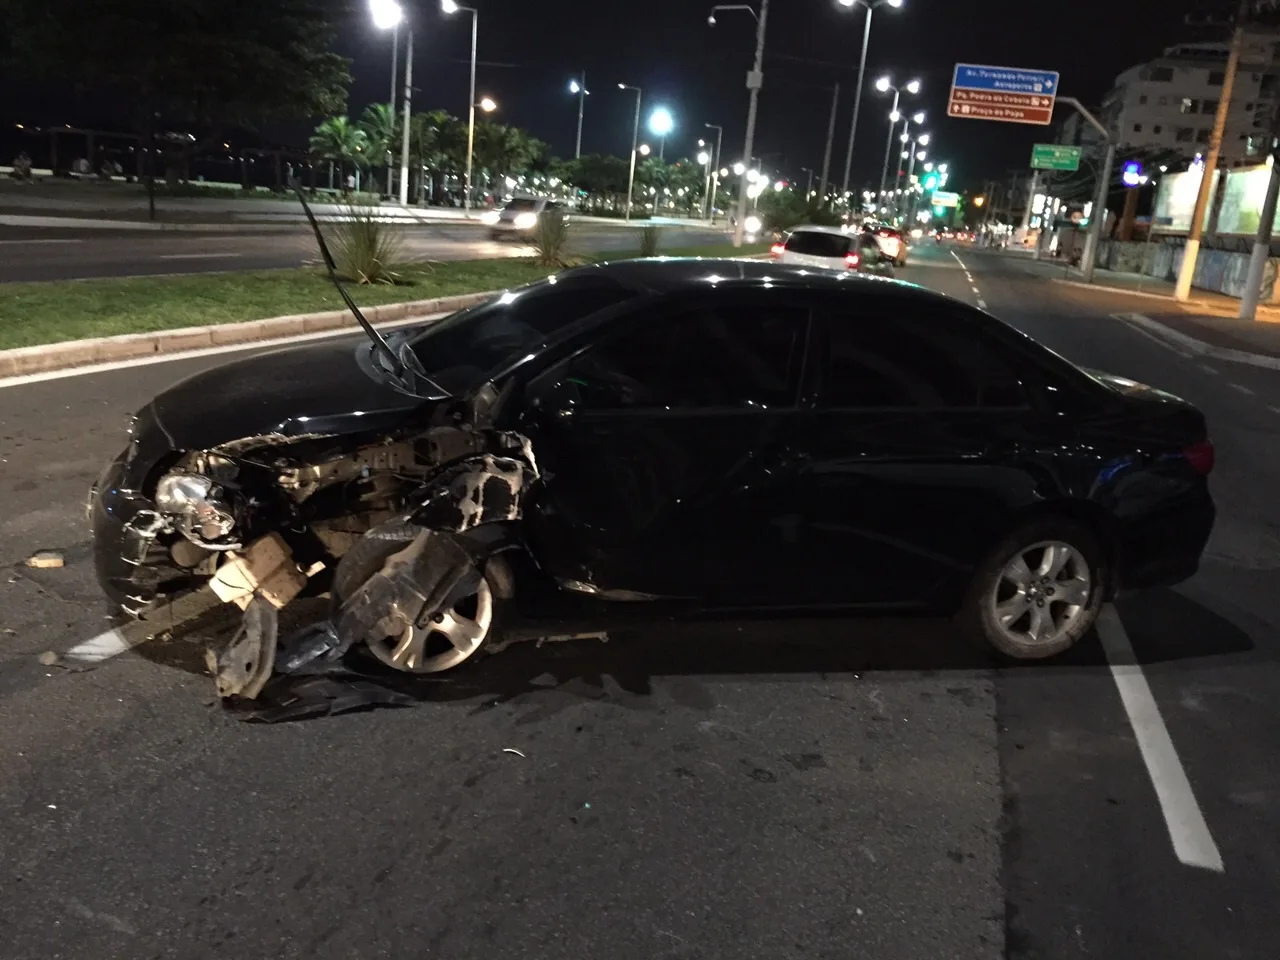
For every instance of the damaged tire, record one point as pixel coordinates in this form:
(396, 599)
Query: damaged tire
(444, 642)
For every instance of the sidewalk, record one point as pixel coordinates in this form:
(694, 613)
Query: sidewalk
(1210, 319)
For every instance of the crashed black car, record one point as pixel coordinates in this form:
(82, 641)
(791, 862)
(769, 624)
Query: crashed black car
(718, 435)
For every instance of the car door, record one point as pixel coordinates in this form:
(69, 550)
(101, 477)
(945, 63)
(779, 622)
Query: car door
(667, 449)
(913, 469)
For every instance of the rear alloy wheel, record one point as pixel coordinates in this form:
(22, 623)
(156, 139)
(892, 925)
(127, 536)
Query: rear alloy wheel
(1037, 594)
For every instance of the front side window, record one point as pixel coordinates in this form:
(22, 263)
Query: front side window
(736, 356)
(924, 360)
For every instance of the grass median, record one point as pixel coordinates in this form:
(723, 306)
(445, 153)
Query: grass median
(35, 314)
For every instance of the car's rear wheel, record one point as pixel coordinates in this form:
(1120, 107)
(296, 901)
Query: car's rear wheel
(1038, 592)
(448, 640)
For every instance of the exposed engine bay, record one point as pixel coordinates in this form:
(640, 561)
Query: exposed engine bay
(264, 521)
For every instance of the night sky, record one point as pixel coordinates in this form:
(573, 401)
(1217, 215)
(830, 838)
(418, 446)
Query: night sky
(529, 50)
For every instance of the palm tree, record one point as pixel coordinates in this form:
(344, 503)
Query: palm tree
(382, 128)
(339, 139)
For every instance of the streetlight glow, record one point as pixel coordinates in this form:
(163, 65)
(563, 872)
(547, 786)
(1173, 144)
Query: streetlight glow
(487, 105)
(739, 168)
(918, 117)
(574, 86)
(661, 122)
(913, 87)
(643, 149)
(704, 158)
(894, 3)
(923, 139)
(895, 116)
(449, 6)
(883, 84)
(386, 14)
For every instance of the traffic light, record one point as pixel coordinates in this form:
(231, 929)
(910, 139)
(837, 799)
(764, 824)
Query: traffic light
(931, 182)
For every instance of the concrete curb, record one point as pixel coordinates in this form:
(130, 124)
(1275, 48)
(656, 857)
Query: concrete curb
(1110, 288)
(1191, 346)
(132, 346)
(146, 226)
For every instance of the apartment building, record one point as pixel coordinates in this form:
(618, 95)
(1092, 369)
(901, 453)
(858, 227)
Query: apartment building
(1169, 103)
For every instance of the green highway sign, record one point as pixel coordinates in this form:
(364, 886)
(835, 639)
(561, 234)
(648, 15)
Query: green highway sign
(1055, 156)
(943, 198)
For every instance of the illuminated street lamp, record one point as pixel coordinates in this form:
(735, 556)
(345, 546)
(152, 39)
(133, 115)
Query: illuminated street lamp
(487, 105)
(755, 80)
(739, 168)
(884, 85)
(871, 6)
(661, 123)
(644, 149)
(388, 15)
(451, 7)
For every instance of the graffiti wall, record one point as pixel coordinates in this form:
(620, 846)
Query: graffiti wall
(1218, 271)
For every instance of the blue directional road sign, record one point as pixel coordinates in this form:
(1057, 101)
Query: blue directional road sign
(1010, 94)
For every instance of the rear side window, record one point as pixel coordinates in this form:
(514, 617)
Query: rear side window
(880, 356)
(726, 356)
(816, 244)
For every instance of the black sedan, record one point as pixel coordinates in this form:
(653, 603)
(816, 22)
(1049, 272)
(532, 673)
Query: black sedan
(662, 436)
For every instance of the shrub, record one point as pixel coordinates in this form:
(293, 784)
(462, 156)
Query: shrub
(365, 248)
(551, 240)
(650, 238)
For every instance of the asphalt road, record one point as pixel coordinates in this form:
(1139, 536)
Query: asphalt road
(67, 254)
(780, 789)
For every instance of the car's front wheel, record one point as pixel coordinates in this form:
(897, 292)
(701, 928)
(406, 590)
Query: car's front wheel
(1038, 592)
(447, 640)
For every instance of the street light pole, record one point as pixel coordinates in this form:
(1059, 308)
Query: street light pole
(893, 121)
(582, 101)
(755, 80)
(715, 171)
(391, 101)
(635, 146)
(451, 7)
(857, 100)
(826, 154)
(404, 139)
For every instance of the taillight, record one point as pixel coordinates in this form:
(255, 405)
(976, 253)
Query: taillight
(777, 249)
(1200, 457)
(851, 260)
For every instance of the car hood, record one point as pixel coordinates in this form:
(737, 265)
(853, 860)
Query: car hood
(1132, 388)
(314, 390)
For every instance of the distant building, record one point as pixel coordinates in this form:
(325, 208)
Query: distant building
(1169, 103)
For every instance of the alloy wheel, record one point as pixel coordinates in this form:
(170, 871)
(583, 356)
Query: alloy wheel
(1042, 592)
(448, 640)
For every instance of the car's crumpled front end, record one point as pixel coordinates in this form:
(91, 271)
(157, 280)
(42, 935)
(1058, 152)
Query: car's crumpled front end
(263, 520)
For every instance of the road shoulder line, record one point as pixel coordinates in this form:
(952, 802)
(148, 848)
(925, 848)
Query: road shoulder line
(1192, 843)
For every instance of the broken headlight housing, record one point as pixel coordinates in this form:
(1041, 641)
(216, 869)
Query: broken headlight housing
(197, 505)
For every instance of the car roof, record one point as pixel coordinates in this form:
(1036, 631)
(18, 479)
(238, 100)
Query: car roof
(817, 228)
(673, 274)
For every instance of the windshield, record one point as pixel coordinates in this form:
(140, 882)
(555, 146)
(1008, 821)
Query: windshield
(521, 204)
(460, 351)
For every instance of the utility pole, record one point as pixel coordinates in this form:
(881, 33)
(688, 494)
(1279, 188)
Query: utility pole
(1187, 271)
(582, 103)
(831, 135)
(391, 101)
(1026, 213)
(1262, 245)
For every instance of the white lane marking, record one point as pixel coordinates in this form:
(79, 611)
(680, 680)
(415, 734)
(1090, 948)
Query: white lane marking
(27, 378)
(28, 242)
(982, 304)
(106, 645)
(198, 256)
(1208, 369)
(1192, 842)
(975, 289)
(1236, 386)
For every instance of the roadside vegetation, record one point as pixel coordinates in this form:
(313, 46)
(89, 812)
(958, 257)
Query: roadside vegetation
(33, 314)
